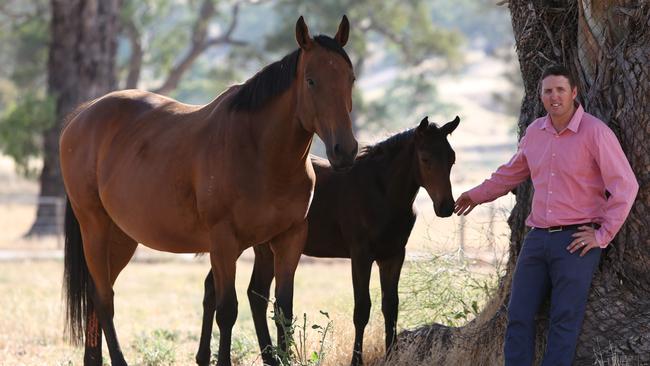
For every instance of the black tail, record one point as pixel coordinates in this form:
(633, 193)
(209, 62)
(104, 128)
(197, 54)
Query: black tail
(76, 280)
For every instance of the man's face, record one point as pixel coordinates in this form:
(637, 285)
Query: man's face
(558, 97)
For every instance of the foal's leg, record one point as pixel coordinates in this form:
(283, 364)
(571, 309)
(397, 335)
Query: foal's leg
(258, 298)
(361, 267)
(121, 249)
(96, 228)
(287, 248)
(389, 272)
(209, 309)
(223, 257)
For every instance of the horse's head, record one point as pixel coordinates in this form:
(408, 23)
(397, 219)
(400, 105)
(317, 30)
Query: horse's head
(325, 79)
(435, 158)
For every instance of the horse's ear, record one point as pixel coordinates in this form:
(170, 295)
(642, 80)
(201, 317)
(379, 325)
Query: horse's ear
(450, 126)
(423, 125)
(302, 34)
(343, 32)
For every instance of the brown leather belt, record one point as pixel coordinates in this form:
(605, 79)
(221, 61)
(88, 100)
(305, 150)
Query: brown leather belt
(554, 229)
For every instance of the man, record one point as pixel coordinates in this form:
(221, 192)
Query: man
(572, 158)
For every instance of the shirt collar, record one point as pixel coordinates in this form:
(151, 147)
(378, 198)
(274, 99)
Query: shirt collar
(573, 125)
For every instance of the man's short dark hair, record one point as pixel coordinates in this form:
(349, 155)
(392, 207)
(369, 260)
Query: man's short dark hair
(559, 70)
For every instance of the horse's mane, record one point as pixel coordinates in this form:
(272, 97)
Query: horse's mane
(276, 78)
(389, 146)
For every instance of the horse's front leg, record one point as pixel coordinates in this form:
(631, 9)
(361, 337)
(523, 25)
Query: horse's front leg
(361, 268)
(287, 248)
(258, 298)
(224, 252)
(389, 272)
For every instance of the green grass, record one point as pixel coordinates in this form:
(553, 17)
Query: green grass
(443, 290)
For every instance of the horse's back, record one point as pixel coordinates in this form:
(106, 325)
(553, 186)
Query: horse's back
(126, 151)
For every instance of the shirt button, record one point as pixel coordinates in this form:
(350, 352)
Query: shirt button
(552, 174)
(550, 192)
(553, 155)
(550, 211)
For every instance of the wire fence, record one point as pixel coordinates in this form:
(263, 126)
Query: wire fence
(18, 213)
(482, 237)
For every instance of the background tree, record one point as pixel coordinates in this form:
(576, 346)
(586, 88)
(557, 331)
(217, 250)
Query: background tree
(401, 34)
(26, 111)
(81, 66)
(607, 44)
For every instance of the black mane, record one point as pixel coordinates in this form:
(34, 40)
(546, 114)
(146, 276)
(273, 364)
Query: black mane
(388, 147)
(276, 78)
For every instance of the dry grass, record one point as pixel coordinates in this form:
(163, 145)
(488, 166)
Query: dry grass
(158, 312)
(166, 296)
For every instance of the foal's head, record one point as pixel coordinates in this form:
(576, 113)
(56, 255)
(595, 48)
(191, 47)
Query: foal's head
(435, 158)
(325, 78)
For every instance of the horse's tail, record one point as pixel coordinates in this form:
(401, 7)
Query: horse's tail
(76, 279)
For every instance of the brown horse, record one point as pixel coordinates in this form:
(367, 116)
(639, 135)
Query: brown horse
(365, 214)
(142, 168)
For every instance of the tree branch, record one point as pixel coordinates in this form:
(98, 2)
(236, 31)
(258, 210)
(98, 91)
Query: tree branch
(200, 43)
(376, 26)
(135, 61)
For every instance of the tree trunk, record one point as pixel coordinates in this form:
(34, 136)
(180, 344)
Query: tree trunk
(607, 45)
(80, 67)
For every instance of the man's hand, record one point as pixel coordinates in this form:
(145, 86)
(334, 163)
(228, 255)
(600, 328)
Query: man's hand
(585, 239)
(464, 205)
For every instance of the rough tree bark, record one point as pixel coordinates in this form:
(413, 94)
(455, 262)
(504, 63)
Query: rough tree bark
(80, 67)
(607, 44)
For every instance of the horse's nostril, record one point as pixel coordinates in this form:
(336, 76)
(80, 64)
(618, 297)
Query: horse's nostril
(337, 149)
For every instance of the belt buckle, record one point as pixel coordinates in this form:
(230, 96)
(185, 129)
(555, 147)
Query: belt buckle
(555, 230)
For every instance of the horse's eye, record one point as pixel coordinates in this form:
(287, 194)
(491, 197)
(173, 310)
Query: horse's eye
(310, 83)
(425, 160)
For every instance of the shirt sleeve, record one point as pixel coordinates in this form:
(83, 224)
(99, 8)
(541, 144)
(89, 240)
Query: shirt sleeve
(504, 179)
(619, 181)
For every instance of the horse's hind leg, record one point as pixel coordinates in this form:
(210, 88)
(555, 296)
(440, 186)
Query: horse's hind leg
(104, 260)
(121, 249)
(389, 272)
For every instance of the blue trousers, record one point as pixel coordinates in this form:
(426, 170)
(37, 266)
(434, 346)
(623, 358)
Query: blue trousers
(545, 266)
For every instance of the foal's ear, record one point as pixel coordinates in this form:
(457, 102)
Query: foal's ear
(343, 32)
(302, 34)
(423, 125)
(450, 126)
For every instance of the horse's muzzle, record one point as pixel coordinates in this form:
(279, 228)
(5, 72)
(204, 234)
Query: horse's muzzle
(444, 210)
(340, 159)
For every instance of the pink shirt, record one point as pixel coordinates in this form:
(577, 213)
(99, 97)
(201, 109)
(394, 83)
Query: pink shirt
(570, 171)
